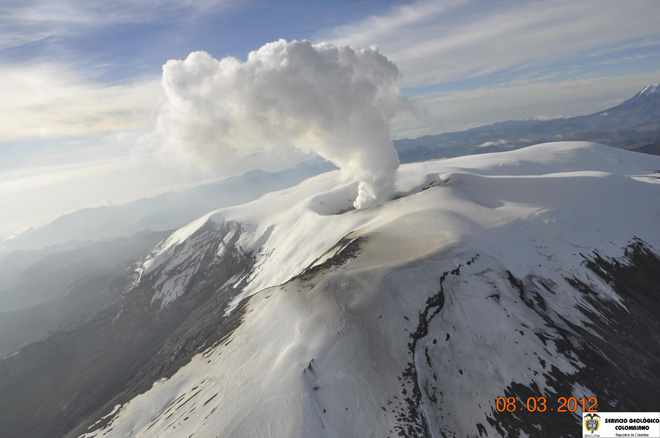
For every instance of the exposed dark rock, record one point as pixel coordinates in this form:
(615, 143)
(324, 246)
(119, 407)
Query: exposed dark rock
(621, 351)
(413, 423)
(346, 249)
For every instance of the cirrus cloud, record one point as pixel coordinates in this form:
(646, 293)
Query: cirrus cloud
(435, 42)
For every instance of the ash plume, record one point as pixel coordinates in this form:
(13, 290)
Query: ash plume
(335, 101)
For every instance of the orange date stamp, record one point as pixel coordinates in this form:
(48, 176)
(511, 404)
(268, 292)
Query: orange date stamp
(541, 404)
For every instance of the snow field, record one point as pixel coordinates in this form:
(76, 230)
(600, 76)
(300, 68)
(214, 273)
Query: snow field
(324, 355)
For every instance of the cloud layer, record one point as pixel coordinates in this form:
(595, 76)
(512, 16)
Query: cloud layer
(30, 21)
(335, 101)
(440, 41)
(51, 101)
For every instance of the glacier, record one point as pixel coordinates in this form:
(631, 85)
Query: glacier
(529, 273)
(410, 318)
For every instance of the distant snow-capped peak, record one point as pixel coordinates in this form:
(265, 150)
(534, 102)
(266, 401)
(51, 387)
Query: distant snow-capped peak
(650, 89)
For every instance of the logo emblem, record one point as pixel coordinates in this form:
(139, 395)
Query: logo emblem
(591, 422)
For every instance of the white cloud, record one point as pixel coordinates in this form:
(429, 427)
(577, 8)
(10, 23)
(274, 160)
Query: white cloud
(34, 20)
(639, 44)
(335, 101)
(44, 101)
(493, 143)
(434, 42)
(626, 59)
(44, 176)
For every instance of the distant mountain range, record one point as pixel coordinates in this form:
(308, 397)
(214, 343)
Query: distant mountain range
(166, 211)
(633, 125)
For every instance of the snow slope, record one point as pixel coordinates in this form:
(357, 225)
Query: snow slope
(651, 89)
(412, 317)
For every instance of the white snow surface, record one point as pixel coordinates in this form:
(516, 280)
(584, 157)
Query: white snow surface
(321, 357)
(651, 89)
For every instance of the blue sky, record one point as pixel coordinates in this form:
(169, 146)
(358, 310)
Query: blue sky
(80, 80)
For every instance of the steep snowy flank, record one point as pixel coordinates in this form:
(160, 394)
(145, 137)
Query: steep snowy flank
(651, 89)
(289, 230)
(523, 274)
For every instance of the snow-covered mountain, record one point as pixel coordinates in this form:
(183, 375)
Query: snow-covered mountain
(530, 273)
(650, 89)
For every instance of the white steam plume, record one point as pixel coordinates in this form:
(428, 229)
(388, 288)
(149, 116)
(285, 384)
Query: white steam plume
(336, 101)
